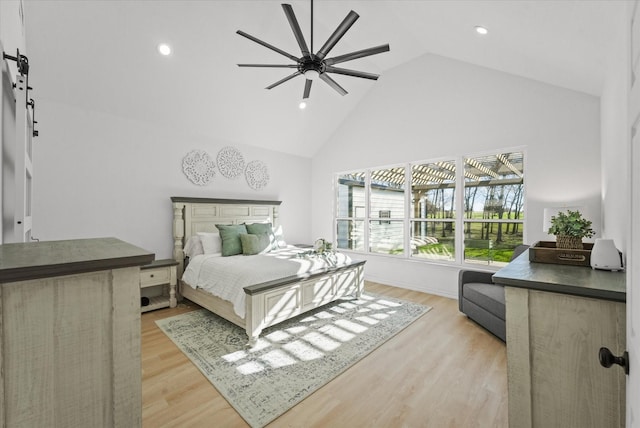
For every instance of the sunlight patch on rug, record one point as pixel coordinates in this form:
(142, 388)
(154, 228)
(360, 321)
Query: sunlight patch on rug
(290, 360)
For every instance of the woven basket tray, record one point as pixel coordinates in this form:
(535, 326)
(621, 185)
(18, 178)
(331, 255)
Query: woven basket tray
(546, 252)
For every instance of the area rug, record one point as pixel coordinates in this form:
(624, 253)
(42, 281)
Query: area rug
(292, 359)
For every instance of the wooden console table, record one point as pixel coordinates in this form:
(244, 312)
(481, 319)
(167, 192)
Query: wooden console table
(557, 319)
(70, 338)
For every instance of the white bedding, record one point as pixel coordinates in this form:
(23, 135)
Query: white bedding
(225, 277)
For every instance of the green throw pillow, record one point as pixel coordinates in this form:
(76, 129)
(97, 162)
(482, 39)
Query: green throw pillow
(230, 235)
(263, 229)
(254, 244)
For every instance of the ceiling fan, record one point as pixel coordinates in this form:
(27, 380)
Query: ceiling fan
(317, 65)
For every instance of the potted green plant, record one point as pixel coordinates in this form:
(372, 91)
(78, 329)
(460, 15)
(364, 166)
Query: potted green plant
(569, 229)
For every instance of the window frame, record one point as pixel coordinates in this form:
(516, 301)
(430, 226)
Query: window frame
(459, 221)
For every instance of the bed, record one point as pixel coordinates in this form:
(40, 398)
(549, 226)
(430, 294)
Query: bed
(265, 303)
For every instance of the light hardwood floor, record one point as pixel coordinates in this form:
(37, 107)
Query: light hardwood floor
(441, 371)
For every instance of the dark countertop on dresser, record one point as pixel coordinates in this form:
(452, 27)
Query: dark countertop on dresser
(33, 260)
(565, 279)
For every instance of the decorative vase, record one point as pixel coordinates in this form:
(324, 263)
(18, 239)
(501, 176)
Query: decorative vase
(569, 242)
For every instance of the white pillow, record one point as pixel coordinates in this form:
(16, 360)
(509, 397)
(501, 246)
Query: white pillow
(193, 247)
(211, 242)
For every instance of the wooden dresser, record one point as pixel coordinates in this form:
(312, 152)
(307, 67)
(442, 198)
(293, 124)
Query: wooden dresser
(70, 337)
(558, 318)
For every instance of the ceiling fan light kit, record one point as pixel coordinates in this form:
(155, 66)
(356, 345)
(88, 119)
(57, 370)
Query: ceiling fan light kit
(315, 66)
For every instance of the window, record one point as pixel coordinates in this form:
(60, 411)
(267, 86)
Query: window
(351, 211)
(384, 214)
(386, 196)
(493, 206)
(433, 187)
(474, 202)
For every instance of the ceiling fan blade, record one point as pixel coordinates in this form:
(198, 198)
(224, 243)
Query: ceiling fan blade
(267, 45)
(329, 81)
(291, 76)
(353, 73)
(270, 65)
(307, 89)
(337, 35)
(297, 32)
(357, 54)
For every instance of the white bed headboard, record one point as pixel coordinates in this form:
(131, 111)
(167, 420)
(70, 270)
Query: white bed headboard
(193, 215)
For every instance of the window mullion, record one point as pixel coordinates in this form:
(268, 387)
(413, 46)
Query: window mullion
(408, 194)
(459, 220)
(367, 210)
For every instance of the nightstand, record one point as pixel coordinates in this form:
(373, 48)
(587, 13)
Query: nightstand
(158, 282)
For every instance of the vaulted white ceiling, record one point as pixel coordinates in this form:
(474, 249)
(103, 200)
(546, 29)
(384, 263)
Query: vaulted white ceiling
(101, 55)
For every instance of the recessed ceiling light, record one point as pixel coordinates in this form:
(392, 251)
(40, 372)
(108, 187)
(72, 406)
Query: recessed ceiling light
(164, 49)
(481, 30)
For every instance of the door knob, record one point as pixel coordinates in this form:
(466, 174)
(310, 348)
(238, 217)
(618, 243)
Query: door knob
(607, 359)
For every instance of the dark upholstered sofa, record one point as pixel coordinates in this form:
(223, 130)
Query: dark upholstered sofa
(482, 300)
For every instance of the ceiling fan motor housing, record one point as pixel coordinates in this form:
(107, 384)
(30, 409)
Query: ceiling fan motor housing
(308, 63)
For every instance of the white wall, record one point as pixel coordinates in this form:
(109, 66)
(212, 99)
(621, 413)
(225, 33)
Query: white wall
(615, 158)
(435, 107)
(97, 175)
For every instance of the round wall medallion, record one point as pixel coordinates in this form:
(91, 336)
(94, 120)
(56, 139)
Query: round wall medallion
(230, 162)
(198, 166)
(257, 174)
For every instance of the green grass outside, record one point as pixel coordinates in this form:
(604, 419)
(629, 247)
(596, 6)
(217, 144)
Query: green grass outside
(471, 253)
(501, 252)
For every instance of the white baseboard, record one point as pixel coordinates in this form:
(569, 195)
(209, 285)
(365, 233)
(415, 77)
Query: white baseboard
(409, 286)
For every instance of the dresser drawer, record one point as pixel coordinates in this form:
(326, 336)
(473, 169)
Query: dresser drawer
(155, 276)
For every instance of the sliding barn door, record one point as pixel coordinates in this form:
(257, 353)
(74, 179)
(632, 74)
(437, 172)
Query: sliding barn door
(17, 167)
(24, 165)
(8, 117)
